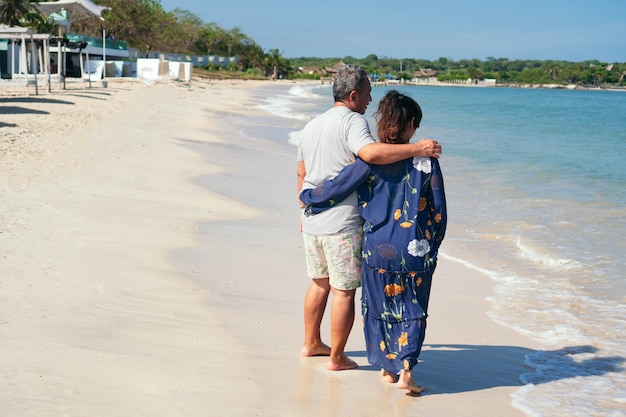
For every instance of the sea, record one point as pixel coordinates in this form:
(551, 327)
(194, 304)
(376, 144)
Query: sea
(536, 190)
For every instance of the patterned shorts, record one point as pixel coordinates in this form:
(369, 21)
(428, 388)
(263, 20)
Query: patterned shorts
(337, 257)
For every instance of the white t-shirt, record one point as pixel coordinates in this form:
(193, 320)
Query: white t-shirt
(329, 143)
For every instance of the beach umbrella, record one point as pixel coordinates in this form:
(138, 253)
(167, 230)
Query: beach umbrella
(65, 12)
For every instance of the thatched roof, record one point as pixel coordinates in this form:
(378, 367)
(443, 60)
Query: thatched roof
(425, 73)
(308, 69)
(334, 68)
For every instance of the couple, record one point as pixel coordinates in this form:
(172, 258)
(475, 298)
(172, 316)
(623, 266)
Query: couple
(402, 202)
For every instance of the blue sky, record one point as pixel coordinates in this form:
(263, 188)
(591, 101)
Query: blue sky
(572, 30)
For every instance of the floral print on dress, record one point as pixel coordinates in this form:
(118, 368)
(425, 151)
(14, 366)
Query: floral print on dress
(422, 164)
(413, 216)
(405, 217)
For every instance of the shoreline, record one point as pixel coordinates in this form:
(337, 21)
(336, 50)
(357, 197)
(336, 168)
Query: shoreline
(501, 85)
(157, 294)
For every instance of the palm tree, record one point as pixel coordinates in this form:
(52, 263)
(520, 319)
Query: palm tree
(275, 63)
(38, 22)
(12, 11)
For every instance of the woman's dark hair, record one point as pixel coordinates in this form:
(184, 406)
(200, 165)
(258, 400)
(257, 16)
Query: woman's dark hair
(394, 114)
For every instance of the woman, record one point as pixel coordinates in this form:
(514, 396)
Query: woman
(404, 210)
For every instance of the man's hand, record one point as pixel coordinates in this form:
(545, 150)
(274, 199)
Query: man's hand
(427, 148)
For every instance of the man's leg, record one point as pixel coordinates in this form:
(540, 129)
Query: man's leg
(314, 306)
(341, 321)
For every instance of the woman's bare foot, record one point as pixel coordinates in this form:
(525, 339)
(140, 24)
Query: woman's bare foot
(405, 381)
(388, 376)
(317, 350)
(344, 364)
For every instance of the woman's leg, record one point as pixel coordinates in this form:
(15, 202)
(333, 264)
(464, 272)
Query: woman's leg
(405, 381)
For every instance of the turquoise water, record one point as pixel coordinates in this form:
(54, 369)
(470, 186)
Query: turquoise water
(536, 189)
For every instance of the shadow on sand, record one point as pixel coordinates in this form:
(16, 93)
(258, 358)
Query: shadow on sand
(20, 110)
(29, 99)
(454, 368)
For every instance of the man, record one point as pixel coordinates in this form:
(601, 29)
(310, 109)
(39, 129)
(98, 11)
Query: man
(332, 239)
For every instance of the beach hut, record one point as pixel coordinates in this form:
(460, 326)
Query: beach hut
(425, 76)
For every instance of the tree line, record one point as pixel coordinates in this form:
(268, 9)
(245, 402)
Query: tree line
(145, 25)
(503, 70)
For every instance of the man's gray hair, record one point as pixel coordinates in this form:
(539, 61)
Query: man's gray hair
(349, 78)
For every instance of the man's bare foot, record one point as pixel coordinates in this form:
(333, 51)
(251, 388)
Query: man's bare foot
(345, 364)
(388, 376)
(405, 381)
(317, 350)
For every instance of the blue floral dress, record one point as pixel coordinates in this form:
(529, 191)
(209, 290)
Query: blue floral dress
(404, 210)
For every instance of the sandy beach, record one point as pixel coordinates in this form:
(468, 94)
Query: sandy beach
(151, 265)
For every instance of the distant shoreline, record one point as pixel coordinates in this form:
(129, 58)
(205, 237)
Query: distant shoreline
(504, 85)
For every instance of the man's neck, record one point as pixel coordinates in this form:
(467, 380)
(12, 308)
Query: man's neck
(342, 104)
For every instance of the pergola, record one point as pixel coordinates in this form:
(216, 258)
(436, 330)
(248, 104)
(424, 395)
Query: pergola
(39, 55)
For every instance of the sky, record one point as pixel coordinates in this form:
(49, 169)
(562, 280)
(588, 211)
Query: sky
(570, 30)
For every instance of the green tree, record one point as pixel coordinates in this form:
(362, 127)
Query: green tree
(214, 39)
(443, 64)
(42, 25)
(370, 60)
(237, 41)
(251, 57)
(12, 11)
(475, 73)
(143, 24)
(183, 32)
(275, 63)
